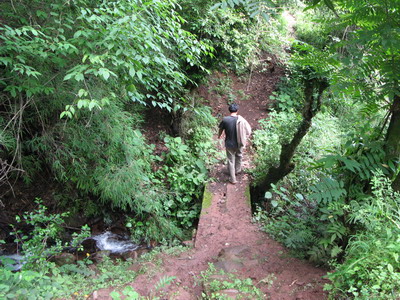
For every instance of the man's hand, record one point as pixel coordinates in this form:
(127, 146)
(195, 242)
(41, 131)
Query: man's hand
(220, 133)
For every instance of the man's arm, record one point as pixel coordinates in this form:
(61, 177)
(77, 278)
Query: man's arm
(220, 132)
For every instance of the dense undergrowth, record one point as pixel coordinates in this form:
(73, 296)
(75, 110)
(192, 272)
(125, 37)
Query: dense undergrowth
(337, 207)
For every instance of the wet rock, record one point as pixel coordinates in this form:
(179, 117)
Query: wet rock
(134, 254)
(233, 252)
(229, 265)
(230, 258)
(250, 264)
(99, 256)
(120, 231)
(76, 220)
(63, 259)
(3, 234)
(89, 246)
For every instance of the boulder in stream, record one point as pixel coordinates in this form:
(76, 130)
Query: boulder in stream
(99, 256)
(63, 259)
(89, 246)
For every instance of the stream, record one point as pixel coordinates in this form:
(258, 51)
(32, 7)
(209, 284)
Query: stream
(107, 241)
(114, 243)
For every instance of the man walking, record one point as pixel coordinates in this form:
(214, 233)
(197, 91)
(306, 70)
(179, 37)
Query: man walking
(237, 130)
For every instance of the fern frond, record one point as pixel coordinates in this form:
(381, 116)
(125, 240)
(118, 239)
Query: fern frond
(164, 281)
(370, 108)
(328, 190)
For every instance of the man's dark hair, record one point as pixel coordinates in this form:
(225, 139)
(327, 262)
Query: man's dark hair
(233, 107)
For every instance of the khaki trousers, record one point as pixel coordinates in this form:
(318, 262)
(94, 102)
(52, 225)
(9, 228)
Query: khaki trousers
(234, 162)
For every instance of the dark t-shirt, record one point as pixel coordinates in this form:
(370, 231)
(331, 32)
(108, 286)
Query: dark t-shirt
(229, 125)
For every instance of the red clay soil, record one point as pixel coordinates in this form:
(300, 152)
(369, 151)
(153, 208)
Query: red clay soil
(227, 223)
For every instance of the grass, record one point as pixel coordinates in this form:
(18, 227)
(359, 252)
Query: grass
(207, 199)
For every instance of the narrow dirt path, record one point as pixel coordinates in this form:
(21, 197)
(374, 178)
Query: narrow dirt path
(226, 226)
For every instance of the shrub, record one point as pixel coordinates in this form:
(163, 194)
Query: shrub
(75, 281)
(228, 31)
(106, 156)
(371, 267)
(217, 281)
(44, 239)
(197, 130)
(185, 176)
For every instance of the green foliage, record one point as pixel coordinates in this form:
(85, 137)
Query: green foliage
(27, 285)
(320, 194)
(159, 228)
(99, 42)
(75, 59)
(293, 208)
(224, 86)
(290, 220)
(254, 7)
(328, 190)
(374, 30)
(198, 127)
(44, 240)
(363, 155)
(41, 279)
(230, 281)
(77, 281)
(230, 32)
(288, 95)
(131, 294)
(275, 131)
(122, 159)
(371, 268)
(185, 175)
(313, 28)
(6, 137)
(311, 210)
(128, 292)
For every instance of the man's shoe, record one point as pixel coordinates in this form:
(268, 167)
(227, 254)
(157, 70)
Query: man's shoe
(232, 182)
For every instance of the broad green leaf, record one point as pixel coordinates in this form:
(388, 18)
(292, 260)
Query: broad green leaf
(79, 77)
(390, 268)
(82, 103)
(132, 72)
(92, 105)
(68, 76)
(105, 73)
(82, 92)
(329, 3)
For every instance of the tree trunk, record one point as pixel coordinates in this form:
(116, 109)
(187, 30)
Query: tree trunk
(392, 142)
(311, 107)
(396, 183)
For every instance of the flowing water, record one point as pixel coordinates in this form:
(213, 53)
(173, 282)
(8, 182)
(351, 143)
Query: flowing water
(114, 243)
(13, 261)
